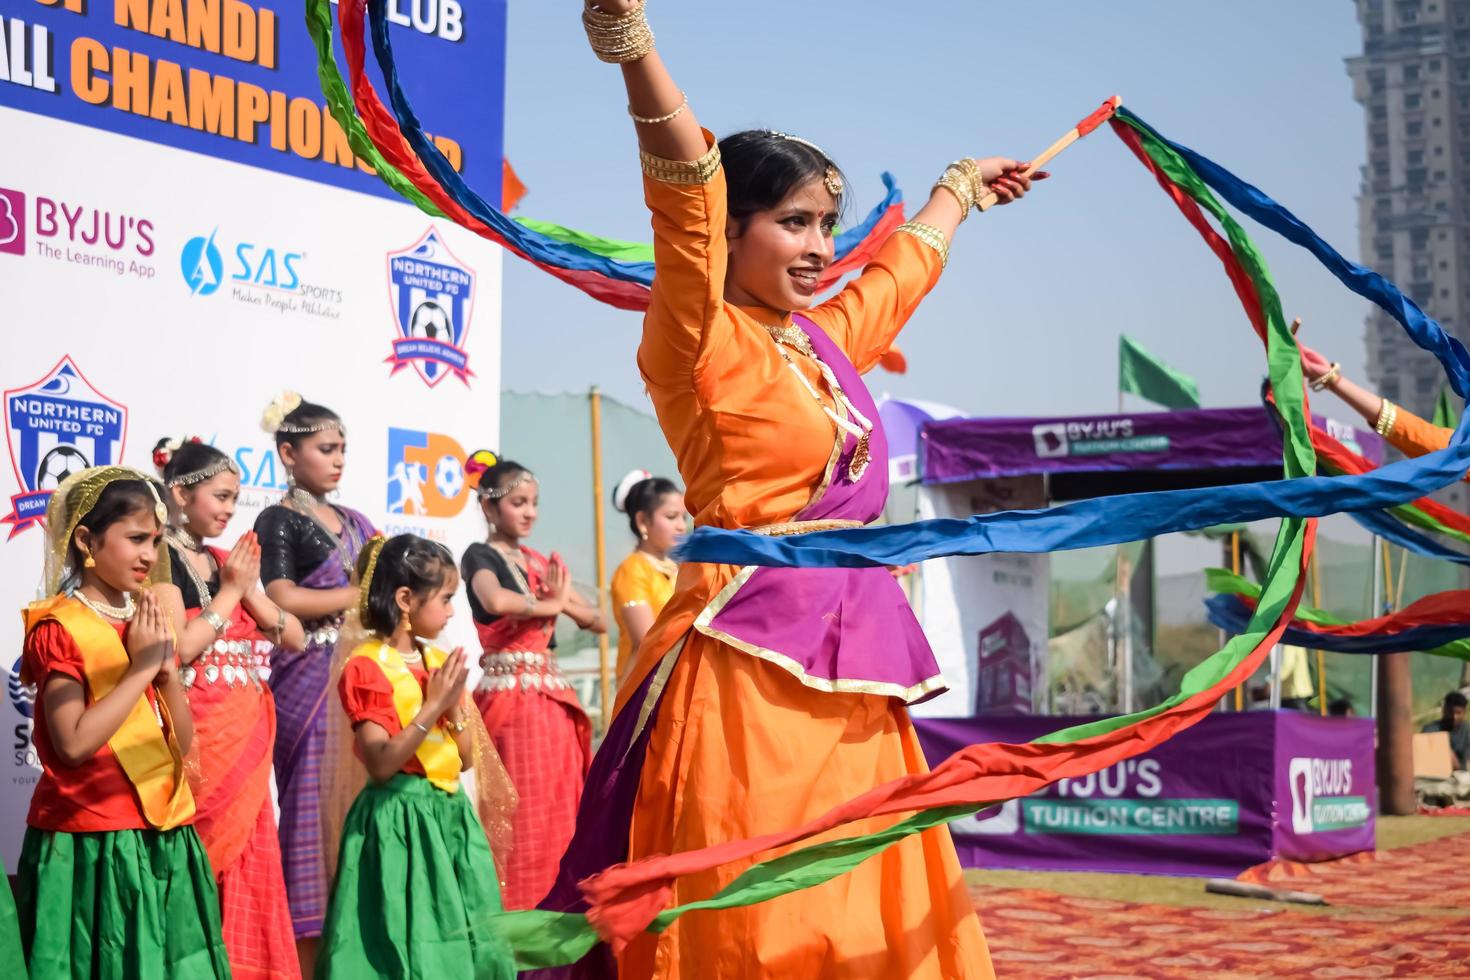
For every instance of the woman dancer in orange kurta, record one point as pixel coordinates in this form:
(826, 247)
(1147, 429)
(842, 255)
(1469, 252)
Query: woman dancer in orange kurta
(761, 698)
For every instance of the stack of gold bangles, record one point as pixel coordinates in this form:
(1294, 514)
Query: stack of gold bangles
(1388, 414)
(618, 38)
(962, 179)
(1328, 377)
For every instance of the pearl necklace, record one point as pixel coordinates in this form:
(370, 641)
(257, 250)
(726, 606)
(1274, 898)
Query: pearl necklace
(123, 613)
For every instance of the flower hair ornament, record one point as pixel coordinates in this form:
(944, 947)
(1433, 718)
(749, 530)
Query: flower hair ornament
(164, 451)
(273, 419)
(832, 180)
(475, 466)
(625, 486)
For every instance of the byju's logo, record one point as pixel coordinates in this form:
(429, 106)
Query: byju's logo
(433, 297)
(425, 474)
(22, 696)
(12, 222)
(1320, 796)
(1050, 439)
(55, 427)
(201, 265)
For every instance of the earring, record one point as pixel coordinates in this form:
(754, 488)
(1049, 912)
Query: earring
(643, 535)
(405, 624)
(88, 561)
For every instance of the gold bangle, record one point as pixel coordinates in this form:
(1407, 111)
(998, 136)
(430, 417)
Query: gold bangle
(617, 38)
(955, 182)
(700, 171)
(1388, 414)
(1327, 378)
(930, 236)
(666, 117)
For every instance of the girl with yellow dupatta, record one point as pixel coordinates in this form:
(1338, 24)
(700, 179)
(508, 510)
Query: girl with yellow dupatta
(416, 879)
(113, 880)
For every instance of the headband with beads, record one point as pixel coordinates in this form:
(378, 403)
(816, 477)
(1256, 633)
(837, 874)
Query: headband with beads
(832, 180)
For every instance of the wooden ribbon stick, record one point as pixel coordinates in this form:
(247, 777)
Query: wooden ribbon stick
(1102, 115)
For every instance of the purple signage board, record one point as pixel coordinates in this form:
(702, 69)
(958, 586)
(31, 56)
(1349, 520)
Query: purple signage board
(1326, 791)
(953, 450)
(1213, 800)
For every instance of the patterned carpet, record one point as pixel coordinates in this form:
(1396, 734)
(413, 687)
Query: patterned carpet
(1403, 913)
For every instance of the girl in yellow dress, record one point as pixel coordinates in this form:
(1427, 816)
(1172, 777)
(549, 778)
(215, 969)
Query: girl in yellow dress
(644, 582)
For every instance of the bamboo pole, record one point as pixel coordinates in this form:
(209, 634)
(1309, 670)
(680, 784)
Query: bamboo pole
(604, 653)
(1098, 117)
(1235, 567)
(1321, 657)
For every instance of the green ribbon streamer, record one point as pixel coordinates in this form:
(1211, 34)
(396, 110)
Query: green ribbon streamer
(565, 937)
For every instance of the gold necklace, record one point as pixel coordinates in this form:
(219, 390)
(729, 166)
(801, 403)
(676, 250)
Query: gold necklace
(856, 424)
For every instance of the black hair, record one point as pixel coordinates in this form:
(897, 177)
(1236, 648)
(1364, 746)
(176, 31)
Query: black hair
(762, 168)
(191, 457)
(499, 475)
(1340, 708)
(404, 560)
(119, 499)
(1454, 699)
(305, 415)
(644, 498)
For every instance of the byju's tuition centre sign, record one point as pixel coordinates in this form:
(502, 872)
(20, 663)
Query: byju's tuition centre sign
(1233, 791)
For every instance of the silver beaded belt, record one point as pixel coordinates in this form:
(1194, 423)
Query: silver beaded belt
(324, 632)
(528, 670)
(234, 663)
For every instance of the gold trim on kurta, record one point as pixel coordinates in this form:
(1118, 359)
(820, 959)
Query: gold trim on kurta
(700, 171)
(791, 666)
(656, 687)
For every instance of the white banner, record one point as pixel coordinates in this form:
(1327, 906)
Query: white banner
(987, 617)
(149, 291)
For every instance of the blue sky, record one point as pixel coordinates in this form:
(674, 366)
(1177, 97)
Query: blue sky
(1026, 319)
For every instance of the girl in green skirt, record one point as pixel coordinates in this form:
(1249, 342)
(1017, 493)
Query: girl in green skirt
(416, 880)
(113, 881)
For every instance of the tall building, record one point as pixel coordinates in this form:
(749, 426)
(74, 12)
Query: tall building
(1413, 81)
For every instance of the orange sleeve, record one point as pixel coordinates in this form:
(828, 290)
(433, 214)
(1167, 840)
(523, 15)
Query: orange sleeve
(1413, 436)
(686, 320)
(865, 318)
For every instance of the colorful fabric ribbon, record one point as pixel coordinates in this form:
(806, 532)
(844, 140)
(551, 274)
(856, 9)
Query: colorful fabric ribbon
(396, 147)
(628, 899)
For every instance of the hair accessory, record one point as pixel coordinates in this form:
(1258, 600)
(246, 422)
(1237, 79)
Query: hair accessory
(495, 493)
(164, 451)
(275, 413)
(479, 461)
(832, 179)
(625, 486)
(205, 473)
(374, 547)
(70, 503)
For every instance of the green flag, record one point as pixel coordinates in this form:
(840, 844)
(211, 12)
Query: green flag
(1144, 375)
(1445, 415)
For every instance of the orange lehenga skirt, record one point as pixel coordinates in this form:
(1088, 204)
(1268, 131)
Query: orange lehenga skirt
(234, 731)
(739, 748)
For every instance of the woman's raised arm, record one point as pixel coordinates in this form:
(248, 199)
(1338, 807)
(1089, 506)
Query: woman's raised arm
(619, 34)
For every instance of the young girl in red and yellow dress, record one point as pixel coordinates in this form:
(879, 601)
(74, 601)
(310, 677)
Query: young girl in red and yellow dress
(222, 619)
(113, 880)
(416, 881)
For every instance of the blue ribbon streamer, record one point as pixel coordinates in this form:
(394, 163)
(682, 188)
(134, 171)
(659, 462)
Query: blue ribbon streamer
(1229, 613)
(534, 244)
(1132, 517)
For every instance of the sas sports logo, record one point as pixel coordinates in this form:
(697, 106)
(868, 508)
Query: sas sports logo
(22, 696)
(202, 266)
(433, 297)
(53, 428)
(12, 222)
(425, 474)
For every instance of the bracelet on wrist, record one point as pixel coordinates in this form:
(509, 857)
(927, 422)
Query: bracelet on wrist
(617, 38)
(1328, 378)
(420, 726)
(215, 620)
(1388, 414)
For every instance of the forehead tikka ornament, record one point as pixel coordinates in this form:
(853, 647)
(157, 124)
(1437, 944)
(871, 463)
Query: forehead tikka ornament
(832, 180)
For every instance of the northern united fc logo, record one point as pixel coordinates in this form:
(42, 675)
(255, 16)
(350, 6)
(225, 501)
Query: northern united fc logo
(55, 427)
(433, 298)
